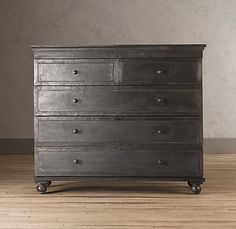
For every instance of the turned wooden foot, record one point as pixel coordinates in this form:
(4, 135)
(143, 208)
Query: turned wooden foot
(196, 189)
(42, 187)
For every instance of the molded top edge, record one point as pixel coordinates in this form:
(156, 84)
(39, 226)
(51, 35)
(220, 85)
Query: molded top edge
(117, 46)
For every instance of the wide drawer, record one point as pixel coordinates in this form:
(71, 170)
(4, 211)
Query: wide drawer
(126, 100)
(107, 162)
(77, 131)
(80, 71)
(151, 72)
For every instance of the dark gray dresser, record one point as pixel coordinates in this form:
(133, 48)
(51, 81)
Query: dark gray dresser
(111, 112)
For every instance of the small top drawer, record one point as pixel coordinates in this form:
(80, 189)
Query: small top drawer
(154, 72)
(74, 71)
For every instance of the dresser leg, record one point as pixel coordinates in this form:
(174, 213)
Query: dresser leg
(42, 187)
(195, 185)
(196, 188)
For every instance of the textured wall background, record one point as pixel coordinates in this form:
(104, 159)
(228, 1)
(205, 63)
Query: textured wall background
(89, 22)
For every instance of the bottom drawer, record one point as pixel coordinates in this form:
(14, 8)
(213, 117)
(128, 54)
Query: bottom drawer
(107, 162)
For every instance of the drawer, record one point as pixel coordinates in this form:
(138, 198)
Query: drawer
(107, 162)
(80, 71)
(72, 131)
(141, 72)
(128, 100)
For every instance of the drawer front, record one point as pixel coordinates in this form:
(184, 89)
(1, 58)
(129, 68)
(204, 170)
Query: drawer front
(81, 71)
(123, 131)
(89, 162)
(98, 100)
(160, 73)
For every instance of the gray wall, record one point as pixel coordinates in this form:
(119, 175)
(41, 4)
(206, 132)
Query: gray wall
(89, 22)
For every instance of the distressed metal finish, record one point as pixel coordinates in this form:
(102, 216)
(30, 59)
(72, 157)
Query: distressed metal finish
(99, 162)
(122, 100)
(118, 111)
(157, 72)
(128, 131)
(81, 71)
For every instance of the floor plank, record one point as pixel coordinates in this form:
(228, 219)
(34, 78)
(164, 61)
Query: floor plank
(113, 205)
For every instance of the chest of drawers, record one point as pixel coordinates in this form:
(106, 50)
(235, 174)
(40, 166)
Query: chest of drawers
(130, 112)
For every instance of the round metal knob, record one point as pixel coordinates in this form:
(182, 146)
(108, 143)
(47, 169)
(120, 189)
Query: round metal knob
(160, 71)
(160, 100)
(75, 100)
(76, 161)
(160, 131)
(76, 131)
(160, 162)
(75, 72)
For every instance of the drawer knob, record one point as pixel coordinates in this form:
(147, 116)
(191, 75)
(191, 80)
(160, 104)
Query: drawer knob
(77, 100)
(76, 131)
(161, 71)
(160, 100)
(160, 162)
(76, 161)
(160, 131)
(75, 72)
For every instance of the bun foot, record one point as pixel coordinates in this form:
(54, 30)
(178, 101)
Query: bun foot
(196, 189)
(42, 188)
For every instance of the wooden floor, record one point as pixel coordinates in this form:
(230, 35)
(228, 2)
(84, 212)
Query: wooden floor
(117, 205)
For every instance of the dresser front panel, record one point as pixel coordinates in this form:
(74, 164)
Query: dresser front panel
(103, 162)
(103, 100)
(131, 131)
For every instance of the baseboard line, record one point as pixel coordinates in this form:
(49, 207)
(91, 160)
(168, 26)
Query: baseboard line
(219, 145)
(26, 145)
